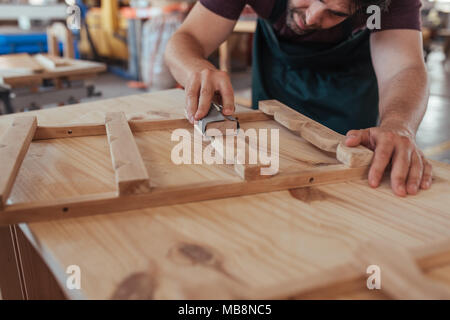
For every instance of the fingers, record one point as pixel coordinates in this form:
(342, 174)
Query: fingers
(415, 173)
(192, 94)
(226, 92)
(206, 96)
(400, 166)
(201, 91)
(427, 174)
(356, 137)
(381, 158)
(410, 170)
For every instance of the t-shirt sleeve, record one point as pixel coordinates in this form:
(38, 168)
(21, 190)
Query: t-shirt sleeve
(402, 14)
(230, 9)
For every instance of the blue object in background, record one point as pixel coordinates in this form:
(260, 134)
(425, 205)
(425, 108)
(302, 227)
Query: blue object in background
(20, 43)
(28, 43)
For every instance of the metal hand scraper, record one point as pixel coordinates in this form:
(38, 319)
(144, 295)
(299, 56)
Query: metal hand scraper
(216, 120)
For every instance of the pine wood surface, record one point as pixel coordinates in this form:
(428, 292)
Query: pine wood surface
(211, 247)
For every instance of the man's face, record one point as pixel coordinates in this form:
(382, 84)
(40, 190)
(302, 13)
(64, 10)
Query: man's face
(305, 16)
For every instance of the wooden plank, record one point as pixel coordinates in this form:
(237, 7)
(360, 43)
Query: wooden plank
(224, 57)
(10, 277)
(245, 26)
(253, 241)
(52, 42)
(76, 68)
(319, 135)
(245, 157)
(13, 148)
(143, 125)
(109, 202)
(401, 277)
(49, 61)
(69, 131)
(20, 61)
(130, 172)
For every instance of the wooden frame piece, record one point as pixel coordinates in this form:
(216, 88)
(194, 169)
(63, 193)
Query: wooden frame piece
(319, 135)
(243, 167)
(13, 148)
(130, 172)
(133, 184)
(59, 32)
(98, 129)
(49, 61)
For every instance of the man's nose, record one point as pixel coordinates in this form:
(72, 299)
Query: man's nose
(315, 13)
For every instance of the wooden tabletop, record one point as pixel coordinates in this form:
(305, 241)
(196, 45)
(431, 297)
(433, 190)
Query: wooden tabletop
(18, 70)
(212, 248)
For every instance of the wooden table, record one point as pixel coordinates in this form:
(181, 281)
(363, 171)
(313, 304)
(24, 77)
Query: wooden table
(24, 76)
(19, 70)
(279, 244)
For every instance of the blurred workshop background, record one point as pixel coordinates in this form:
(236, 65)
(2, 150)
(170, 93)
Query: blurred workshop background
(55, 53)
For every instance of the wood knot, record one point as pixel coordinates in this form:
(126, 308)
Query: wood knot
(190, 253)
(138, 286)
(310, 194)
(195, 254)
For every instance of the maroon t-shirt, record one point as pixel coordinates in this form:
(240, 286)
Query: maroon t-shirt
(401, 14)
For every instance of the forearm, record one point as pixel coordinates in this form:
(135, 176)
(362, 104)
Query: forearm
(403, 99)
(185, 56)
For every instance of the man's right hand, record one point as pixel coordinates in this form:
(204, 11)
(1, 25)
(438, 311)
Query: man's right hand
(201, 89)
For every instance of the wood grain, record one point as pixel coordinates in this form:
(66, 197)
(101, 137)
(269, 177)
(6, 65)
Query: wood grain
(137, 123)
(109, 202)
(131, 174)
(300, 164)
(248, 242)
(10, 277)
(245, 158)
(13, 147)
(49, 61)
(401, 277)
(28, 76)
(319, 135)
(20, 61)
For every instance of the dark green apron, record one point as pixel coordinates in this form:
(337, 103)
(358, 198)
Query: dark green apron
(332, 84)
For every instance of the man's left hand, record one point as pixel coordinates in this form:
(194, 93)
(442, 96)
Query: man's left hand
(391, 144)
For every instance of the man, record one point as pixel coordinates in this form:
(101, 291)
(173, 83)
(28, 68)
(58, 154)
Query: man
(318, 57)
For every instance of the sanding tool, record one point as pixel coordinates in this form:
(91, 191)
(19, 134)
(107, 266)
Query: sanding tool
(215, 119)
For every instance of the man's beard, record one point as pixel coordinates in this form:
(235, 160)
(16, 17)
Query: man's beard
(292, 24)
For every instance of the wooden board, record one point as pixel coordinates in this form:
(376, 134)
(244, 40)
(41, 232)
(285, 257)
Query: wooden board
(249, 242)
(13, 148)
(21, 61)
(131, 174)
(317, 134)
(50, 62)
(252, 242)
(20, 77)
(284, 161)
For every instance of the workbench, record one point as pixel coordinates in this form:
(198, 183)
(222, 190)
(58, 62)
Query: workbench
(284, 244)
(22, 80)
